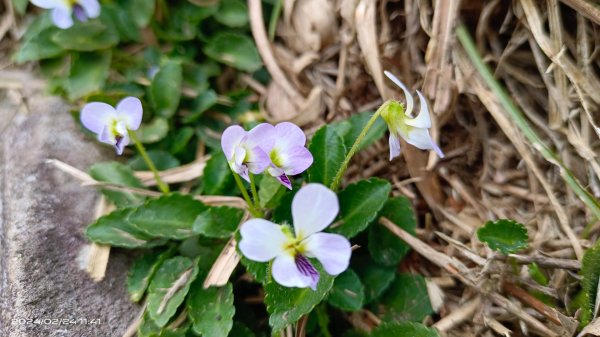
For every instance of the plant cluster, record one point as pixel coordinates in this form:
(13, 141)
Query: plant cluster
(309, 248)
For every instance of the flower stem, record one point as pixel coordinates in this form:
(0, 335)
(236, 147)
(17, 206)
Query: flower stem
(255, 213)
(522, 123)
(254, 192)
(338, 177)
(161, 185)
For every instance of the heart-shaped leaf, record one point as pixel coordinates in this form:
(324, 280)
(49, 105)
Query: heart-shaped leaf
(505, 236)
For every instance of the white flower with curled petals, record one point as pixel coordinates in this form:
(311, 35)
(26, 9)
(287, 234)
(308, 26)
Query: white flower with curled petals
(247, 151)
(63, 10)
(313, 209)
(401, 123)
(112, 125)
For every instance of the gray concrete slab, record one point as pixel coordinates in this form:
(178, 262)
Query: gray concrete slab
(43, 214)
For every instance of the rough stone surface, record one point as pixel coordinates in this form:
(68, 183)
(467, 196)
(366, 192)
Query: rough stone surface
(43, 214)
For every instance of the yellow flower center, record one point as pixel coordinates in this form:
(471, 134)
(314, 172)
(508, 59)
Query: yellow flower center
(276, 158)
(293, 245)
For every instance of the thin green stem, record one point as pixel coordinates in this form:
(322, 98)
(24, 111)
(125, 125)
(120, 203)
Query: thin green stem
(161, 185)
(521, 121)
(255, 213)
(340, 173)
(274, 18)
(254, 192)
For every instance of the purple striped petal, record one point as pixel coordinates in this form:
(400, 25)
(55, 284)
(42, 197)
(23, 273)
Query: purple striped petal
(287, 273)
(79, 13)
(332, 250)
(285, 181)
(307, 269)
(121, 142)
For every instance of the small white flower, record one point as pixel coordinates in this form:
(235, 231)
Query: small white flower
(414, 131)
(63, 10)
(112, 125)
(313, 209)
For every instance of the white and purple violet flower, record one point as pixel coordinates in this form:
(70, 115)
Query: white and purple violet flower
(64, 10)
(279, 149)
(313, 209)
(401, 123)
(112, 125)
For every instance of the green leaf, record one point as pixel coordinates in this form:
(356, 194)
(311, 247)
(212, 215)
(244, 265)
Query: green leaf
(386, 249)
(142, 11)
(114, 229)
(181, 139)
(205, 100)
(165, 90)
(376, 279)
(162, 160)
(37, 43)
(590, 272)
(118, 173)
(348, 293)
(218, 222)
(140, 275)
(87, 36)
(154, 131)
(350, 128)
(147, 327)
(505, 236)
(182, 22)
(287, 305)
(122, 20)
(270, 191)
(328, 150)
(170, 216)
(235, 50)
(211, 310)
(88, 73)
(359, 204)
(240, 330)
(217, 177)
(282, 213)
(406, 299)
(259, 270)
(178, 332)
(232, 13)
(169, 287)
(403, 329)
